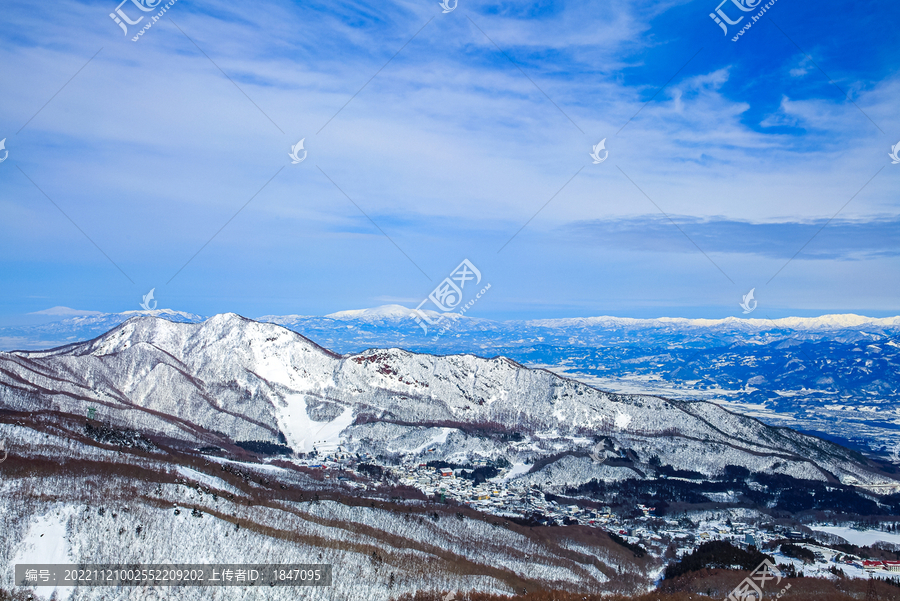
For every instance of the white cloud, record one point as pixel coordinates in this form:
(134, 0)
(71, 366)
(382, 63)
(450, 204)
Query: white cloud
(151, 150)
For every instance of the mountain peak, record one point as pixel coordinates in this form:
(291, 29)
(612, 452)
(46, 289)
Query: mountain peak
(378, 313)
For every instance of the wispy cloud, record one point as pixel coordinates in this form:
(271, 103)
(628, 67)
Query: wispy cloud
(840, 240)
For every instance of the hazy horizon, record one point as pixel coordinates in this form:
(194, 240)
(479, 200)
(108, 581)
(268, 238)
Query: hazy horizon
(60, 313)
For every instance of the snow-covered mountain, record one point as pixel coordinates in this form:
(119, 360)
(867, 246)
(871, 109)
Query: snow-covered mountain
(837, 375)
(232, 379)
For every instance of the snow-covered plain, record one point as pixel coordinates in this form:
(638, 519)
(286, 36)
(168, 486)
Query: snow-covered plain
(861, 538)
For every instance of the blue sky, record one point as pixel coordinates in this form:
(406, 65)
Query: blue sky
(163, 163)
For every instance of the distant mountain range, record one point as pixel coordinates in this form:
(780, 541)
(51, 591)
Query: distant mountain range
(836, 375)
(394, 326)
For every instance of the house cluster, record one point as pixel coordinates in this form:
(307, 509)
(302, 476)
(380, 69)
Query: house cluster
(890, 566)
(446, 483)
(497, 496)
(338, 464)
(511, 498)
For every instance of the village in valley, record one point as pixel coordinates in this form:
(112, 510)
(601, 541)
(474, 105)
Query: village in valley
(500, 491)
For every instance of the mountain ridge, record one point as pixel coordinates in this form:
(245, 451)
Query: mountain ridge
(257, 381)
(842, 383)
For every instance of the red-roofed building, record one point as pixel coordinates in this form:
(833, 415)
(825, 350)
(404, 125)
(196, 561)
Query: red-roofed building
(873, 565)
(893, 566)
